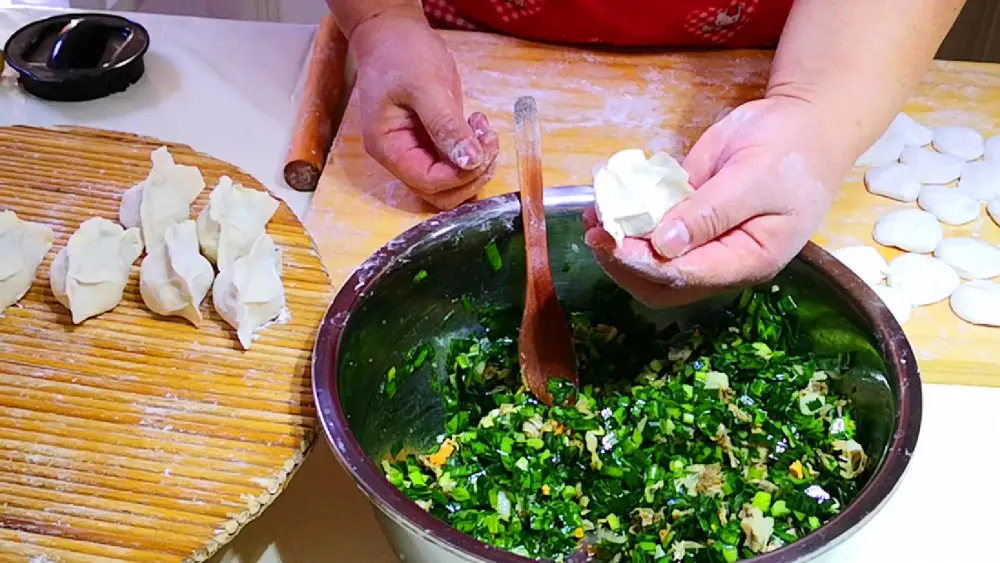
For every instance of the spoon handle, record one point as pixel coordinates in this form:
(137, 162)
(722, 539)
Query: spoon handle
(529, 167)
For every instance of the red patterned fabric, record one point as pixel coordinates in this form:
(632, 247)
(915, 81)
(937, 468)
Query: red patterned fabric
(663, 23)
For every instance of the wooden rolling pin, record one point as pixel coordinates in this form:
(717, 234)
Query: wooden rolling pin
(314, 129)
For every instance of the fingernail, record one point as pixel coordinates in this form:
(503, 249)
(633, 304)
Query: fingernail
(672, 239)
(480, 125)
(467, 154)
(598, 239)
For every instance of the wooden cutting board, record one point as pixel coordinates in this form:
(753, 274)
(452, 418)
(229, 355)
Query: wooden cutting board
(133, 437)
(593, 104)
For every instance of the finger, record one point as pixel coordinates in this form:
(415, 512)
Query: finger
(487, 136)
(706, 157)
(648, 293)
(638, 256)
(723, 202)
(751, 254)
(403, 154)
(590, 219)
(457, 196)
(441, 115)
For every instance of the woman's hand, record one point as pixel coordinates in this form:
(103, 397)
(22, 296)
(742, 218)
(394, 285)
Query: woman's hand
(764, 176)
(412, 118)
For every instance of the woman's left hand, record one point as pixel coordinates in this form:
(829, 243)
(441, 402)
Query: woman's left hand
(764, 177)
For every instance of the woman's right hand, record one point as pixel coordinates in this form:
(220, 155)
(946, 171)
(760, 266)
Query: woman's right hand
(412, 117)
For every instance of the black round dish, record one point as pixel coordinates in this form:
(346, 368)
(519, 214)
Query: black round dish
(78, 57)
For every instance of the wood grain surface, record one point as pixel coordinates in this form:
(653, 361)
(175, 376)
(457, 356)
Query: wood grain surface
(596, 103)
(134, 437)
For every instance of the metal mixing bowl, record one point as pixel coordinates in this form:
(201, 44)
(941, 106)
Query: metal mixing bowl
(380, 313)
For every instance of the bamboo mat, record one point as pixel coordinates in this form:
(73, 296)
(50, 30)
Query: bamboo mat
(134, 437)
(594, 103)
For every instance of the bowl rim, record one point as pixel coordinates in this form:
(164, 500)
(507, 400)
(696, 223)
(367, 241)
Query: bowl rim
(895, 349)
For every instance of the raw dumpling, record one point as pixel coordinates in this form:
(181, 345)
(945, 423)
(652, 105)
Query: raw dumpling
(89, 275)
(949, 205)
(973, 259)
(978, 302)
(964, 142)
(932, 167)
(991, 150)
(23, 245)
(234, 218)
(632, 194)
(162, 199)
(914, 230)
(922, 279)
(249, 293)
(175, 278)
(896, 181)
(864, 261)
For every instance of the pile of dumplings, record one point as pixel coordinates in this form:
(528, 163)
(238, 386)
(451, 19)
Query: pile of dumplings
(951, 173)
(88, 276)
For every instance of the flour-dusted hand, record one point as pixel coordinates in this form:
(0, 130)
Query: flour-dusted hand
(413, 122)
(764, 176)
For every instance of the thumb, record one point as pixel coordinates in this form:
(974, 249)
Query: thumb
(441, 116)
(722, 203)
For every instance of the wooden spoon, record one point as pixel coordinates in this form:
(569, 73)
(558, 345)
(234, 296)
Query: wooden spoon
(545, 347)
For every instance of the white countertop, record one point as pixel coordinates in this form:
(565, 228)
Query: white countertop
(228, 89)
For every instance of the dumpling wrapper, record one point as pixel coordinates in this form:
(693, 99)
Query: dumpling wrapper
(23, 245)
(249, 293)
(632, 194)
(175, 278)
(89, 275)
(233, 220)
(162, 199)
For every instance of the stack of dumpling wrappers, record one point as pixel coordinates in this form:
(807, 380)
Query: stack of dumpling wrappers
(88, 276)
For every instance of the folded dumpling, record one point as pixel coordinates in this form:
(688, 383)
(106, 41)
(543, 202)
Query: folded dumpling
(249, 293)
(89, 275)
(23, 245)
(175, 278)
(162, 199)
(233, 220)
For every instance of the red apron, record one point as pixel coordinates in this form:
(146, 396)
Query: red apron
(659, 23)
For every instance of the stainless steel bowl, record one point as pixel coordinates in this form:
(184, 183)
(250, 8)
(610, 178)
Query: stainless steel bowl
(380, 313)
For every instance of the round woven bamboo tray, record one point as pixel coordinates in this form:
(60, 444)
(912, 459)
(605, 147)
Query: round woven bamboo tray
(134, 437)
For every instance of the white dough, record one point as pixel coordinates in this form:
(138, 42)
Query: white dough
(175, 278)
(912, 133)
(896, 301)
(981, 180)
(978, 302)
(896, 181)
(234, 218)
(993, 208)
(972, 258)
(964, 142)
(922, 279)
(89, 275)
(632, 194)
(992, 148)
(23, 245)
(864, 261)
(249, 293)
(913, 230)
(951, 206)
(885, 150)
(162, 199)
(932, 167)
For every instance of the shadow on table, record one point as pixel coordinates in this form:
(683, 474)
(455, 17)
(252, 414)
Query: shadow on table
(321, 516)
